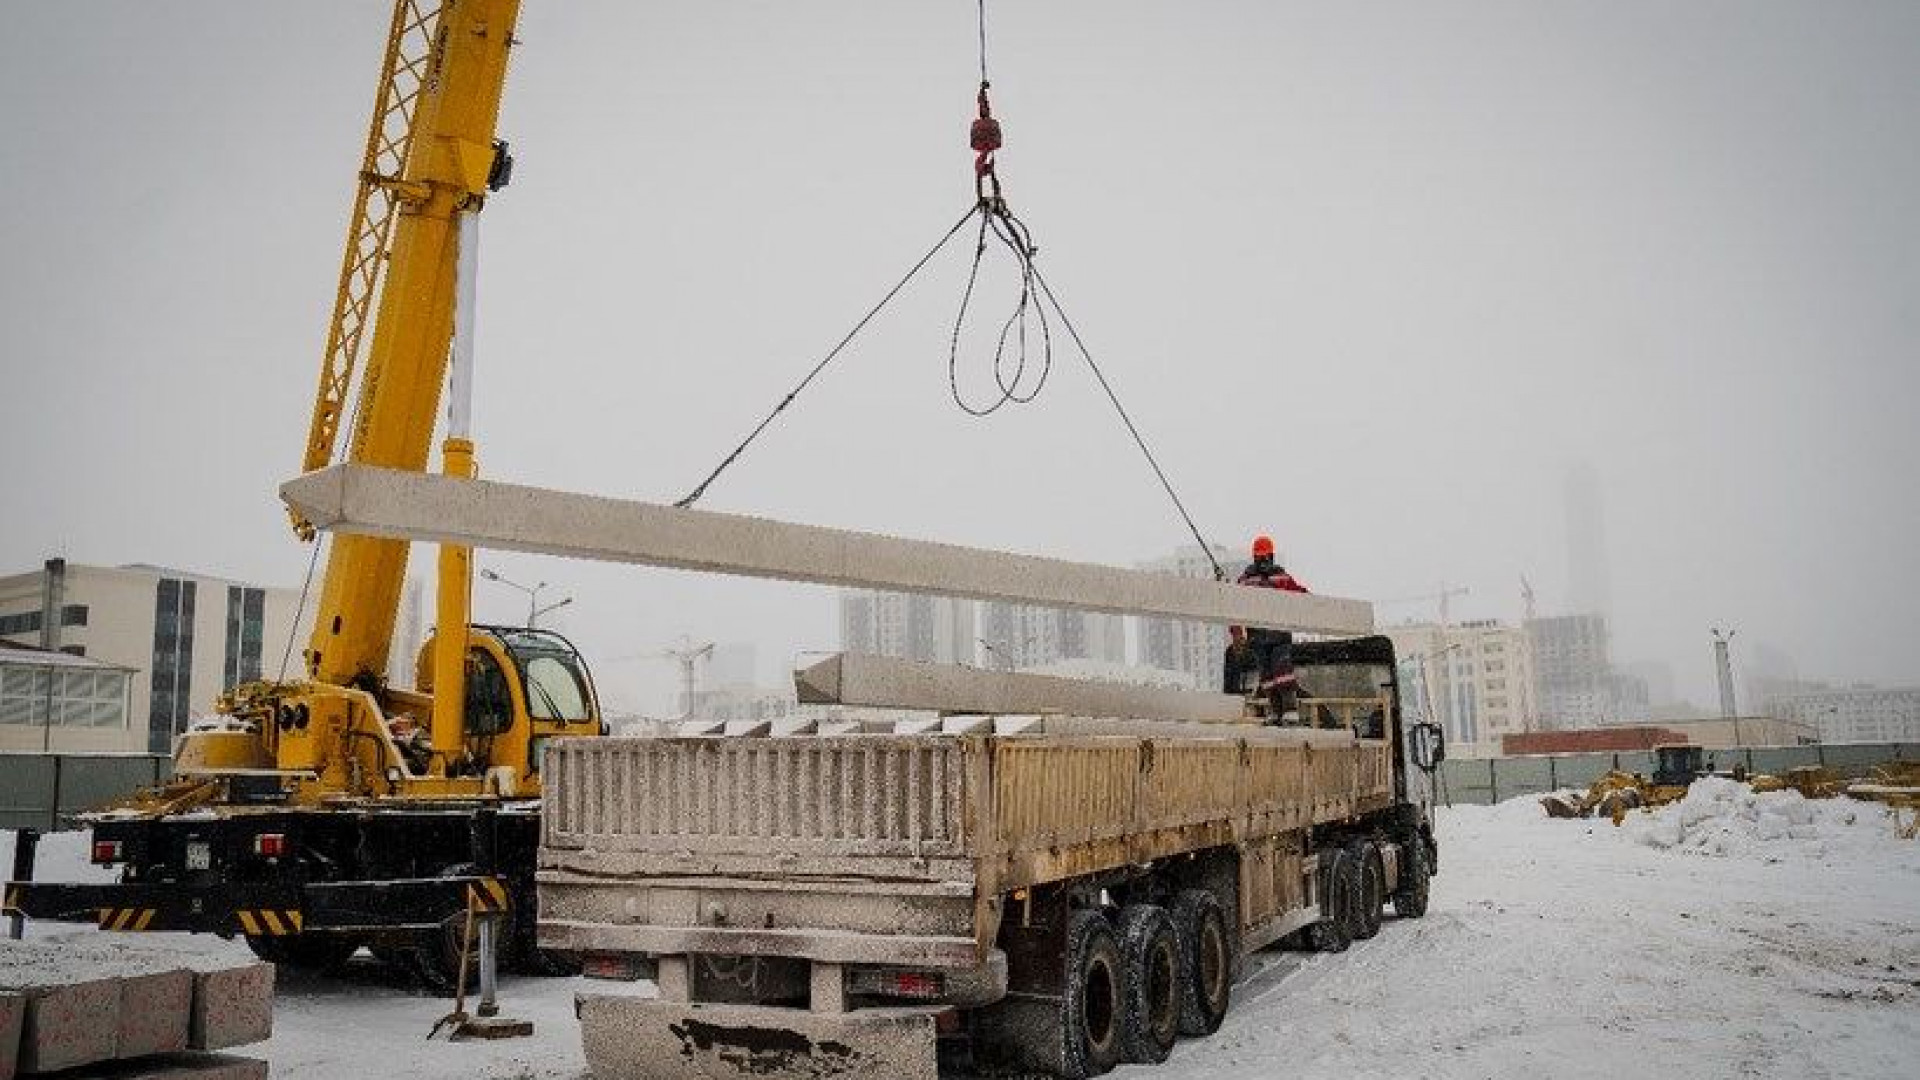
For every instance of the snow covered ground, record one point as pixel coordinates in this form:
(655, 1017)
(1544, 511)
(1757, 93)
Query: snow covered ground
(1726, 936)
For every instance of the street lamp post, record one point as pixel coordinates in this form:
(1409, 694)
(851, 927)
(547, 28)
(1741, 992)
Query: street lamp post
(534, 610)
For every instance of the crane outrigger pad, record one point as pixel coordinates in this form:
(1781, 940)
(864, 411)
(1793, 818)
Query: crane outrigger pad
(886, 682)
(371, 501)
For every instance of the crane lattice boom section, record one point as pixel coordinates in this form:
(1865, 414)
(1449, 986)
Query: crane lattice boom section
(403, 73)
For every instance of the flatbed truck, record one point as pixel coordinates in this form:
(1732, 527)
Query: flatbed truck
(1062, 899)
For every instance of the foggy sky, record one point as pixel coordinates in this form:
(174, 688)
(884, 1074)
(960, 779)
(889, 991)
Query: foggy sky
(1373, 278)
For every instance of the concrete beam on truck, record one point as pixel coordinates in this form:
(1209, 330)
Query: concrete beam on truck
(886, 682)
(370, 501)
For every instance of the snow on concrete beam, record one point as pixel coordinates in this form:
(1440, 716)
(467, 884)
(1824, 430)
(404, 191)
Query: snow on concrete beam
(857, 679)
(488, 514)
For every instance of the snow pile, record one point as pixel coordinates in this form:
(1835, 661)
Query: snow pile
(1726, 818)
(61, 856)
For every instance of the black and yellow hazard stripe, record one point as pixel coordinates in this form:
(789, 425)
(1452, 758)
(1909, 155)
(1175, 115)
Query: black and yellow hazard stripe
(268, 922)
(488, 896)
(126, 919)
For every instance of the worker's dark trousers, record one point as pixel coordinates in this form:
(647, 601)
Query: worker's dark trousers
(1268, 655)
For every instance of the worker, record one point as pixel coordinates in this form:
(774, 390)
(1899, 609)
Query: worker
(1260, 660)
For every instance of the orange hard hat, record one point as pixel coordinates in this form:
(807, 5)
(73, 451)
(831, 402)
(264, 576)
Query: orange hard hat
(1262, 545)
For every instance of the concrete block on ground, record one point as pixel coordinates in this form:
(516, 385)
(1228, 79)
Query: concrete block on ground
(72, 1013)
(13, 1014)
(154, 1007)
(232, 999)
(633, 1038)
(232, 1006)
(398, 504)
(176, 1067)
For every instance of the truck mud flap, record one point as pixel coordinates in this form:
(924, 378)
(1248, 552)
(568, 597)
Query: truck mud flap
(632, 1038)
(259, 910)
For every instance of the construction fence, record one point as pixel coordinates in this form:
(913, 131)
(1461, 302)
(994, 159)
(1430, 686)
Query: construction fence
(44, 791)
(1481, 781)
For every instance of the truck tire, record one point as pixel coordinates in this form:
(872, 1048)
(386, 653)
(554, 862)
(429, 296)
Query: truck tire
(309, 952)
(1410, 900)
(1206, 953)
(1090, 1006)
(1149, 984)
(1370, 890)
(1334, 932)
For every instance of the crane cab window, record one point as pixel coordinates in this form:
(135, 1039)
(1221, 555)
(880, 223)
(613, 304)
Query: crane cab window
(554, 690)
(552, 675)
(489, 701)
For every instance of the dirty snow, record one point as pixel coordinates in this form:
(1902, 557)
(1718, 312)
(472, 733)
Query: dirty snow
(1728, 935)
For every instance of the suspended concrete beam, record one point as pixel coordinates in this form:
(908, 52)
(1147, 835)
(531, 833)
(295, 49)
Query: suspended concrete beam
(884, 682)
(366, 500)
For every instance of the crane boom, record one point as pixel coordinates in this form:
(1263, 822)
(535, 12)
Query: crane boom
(430, 155)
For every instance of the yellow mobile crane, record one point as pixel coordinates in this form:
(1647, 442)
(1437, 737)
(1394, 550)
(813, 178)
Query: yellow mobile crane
(322, 813)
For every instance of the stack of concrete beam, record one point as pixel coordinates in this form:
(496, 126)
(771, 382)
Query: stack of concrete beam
(104, 1006)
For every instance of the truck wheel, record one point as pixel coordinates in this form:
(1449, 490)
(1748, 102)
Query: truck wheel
(1150, 983)
(1333, 933)
(434, 957)
(1370, 890)
(1090, 1008)
(1410, 901)
(1206, 975)
(309, 952)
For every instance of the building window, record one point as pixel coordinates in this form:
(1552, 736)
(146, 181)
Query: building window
(50, 697)
(73, 615)
(172, 662)
(26, 622)
(245, 627)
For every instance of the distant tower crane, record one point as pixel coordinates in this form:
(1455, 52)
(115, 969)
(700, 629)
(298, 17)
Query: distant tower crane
(1443, 598)
(1723, 665)
(687, 655)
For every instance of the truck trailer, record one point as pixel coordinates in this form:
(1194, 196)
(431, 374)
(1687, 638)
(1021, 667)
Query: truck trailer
(1054, 894)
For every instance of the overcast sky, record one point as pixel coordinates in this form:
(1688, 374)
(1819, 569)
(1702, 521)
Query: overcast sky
(1374, 278)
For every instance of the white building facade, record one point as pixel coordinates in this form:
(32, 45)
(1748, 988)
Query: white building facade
(1016, 637)
(1193, 648)
(1854, 714)
(185, 637)
(933, 629)
(1475, 679)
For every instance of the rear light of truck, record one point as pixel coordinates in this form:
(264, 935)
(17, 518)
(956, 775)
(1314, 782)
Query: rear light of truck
(107, 851)
(618, 966)
(882, 982)
(270, 845)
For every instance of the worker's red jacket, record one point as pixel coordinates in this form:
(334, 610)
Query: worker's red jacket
(1278, 579)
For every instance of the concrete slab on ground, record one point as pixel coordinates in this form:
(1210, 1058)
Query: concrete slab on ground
(634, 1038)
(232, 1000)
(177, 1067)
(13, 1016)
(72, 1014)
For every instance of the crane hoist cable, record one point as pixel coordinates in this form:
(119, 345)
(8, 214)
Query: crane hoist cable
(985, 138)
(701, 489)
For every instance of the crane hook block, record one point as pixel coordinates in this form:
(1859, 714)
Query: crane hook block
(985, 137)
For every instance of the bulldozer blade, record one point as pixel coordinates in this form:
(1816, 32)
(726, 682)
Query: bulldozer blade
(1559, 806)
(631, 1038)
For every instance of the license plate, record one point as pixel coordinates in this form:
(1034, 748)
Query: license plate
(199, 855)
